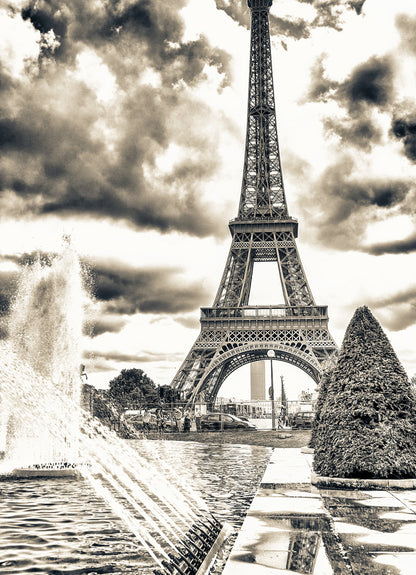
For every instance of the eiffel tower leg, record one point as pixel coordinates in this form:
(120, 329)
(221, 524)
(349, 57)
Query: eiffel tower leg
(190, 374)
(235, 284)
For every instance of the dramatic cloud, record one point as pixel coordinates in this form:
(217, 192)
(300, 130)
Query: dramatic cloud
(370, 83)
(404, 129)
(84, 131)
(237, 10)
(406, 26)
(347, 204)
(111, 360)
(188, 321)
(321, 88)
(116, 356)
(107, 324)
(347, 201)
(369, 88)
(327, 14)
(356, 131)
(406, 246)
(128, 291)
(398, 311)
(357, 5)
(122, 292)
(295, 28)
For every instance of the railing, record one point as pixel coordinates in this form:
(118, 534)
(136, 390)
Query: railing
(251, 312)
(259, 3)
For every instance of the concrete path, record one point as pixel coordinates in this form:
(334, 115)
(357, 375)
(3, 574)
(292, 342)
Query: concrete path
(294, 528)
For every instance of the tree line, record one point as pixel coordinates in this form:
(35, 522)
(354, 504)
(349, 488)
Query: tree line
(131, 389)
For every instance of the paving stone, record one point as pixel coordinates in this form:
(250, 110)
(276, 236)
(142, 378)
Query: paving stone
(372, 532)
(273, 540)
(287, 505)
(400, 541)
(404, 563)
(373, 563)
(353, 494)
(381, 501)
(343, 527)
(377, 493)
(403, 514)
(269, 532)
(288, 466)
(238, 566)
(288, 561)
(289, 491)
(408, 498)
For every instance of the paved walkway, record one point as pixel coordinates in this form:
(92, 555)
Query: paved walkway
(294, 528)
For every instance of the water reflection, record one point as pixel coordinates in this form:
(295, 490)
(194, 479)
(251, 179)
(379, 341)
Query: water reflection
(377, 529)
(303, 549)
(365, 533)
(227, 476)
(63, 527)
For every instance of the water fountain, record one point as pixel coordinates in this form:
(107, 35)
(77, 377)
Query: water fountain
(39, 383)
(45, 434)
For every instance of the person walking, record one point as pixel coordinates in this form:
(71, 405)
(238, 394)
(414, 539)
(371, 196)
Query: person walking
(146, 420)
(198, 419)
(159, 420)
(186, 422)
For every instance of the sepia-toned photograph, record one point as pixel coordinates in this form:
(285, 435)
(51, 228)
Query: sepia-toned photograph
(207, 287)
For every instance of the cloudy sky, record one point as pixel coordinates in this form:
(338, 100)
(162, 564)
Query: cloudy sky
(122, 123)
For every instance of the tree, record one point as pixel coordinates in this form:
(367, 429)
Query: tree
(167, 394)
(132, 389)
(367, 424)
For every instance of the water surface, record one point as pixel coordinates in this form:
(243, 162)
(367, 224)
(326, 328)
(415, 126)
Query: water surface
(61, 527)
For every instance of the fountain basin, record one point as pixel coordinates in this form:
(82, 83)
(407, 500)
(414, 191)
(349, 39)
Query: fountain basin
(48, 471)
(225, 532)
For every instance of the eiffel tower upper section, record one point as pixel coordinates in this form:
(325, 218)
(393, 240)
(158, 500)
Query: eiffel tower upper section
(262, 193)
(263, 223)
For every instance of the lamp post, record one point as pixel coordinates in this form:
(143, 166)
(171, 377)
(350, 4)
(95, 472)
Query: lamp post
(272, 354)
(283, 413)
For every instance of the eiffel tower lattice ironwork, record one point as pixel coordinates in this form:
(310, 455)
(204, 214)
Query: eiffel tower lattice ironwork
(234, 333)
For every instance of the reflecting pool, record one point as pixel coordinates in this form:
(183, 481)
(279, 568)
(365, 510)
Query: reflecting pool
(63, 527)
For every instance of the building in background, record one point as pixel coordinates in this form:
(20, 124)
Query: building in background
(258, 380)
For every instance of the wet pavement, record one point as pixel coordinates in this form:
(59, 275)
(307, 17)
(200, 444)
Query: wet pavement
(294, 527)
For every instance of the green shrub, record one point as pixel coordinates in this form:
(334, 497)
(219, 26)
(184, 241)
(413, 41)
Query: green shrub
(322, 390)
(367, 423)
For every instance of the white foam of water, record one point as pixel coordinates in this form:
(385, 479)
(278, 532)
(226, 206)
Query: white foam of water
(39, 364)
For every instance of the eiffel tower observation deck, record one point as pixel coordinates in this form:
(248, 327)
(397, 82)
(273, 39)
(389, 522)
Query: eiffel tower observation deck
(234, 333)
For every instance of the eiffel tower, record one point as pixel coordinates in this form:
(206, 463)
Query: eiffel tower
(234, 333)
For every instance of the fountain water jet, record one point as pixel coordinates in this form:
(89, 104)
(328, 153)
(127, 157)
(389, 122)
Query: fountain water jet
(45, 430)
(39, 367)
(183, 533)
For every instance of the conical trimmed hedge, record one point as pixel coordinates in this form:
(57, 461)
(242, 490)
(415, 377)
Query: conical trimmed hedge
(367, 424)
(323, 388)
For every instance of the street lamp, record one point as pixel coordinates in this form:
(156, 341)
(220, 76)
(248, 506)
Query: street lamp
(272, 354)
(283, 409)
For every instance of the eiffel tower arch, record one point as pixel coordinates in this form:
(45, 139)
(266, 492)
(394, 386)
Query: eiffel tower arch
(234, 333)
